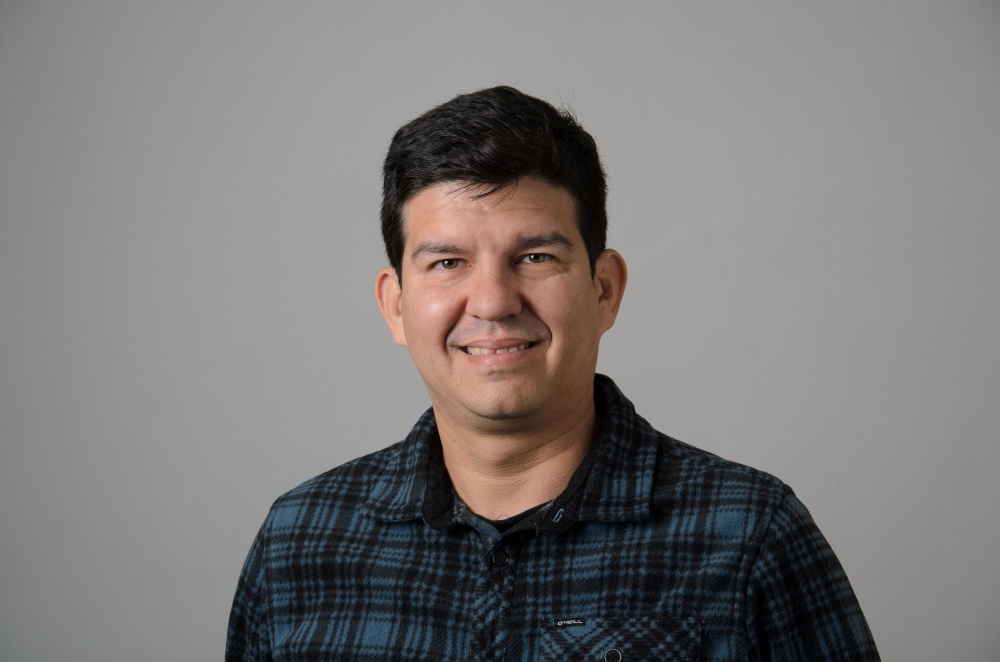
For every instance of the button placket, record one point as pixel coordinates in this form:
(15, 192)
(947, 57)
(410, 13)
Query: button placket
(499, 565)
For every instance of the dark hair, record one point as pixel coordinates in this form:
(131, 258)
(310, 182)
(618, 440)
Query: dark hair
(494, 137)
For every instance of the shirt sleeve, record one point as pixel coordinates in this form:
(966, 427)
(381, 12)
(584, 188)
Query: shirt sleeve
(249, 638)
(800, 604)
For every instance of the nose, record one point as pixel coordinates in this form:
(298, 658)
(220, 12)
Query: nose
(494, 293)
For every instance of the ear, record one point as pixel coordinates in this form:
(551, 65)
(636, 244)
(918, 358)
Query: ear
(389, 297)
(610, 276)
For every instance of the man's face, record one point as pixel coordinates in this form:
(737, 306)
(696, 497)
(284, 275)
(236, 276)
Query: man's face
(498, 306)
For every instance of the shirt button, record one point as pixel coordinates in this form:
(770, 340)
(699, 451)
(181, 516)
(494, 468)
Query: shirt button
(613, 655)
(500, 558)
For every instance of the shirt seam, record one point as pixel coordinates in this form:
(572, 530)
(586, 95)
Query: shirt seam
(754, 546)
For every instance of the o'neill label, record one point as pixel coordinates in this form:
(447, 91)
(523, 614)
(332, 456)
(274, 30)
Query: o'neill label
(570, 622)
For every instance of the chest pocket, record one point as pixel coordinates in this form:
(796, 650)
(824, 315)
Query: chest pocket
(640, 639)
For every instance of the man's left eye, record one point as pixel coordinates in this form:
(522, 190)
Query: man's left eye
(536, 258)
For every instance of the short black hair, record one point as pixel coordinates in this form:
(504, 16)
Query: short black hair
(494, 137)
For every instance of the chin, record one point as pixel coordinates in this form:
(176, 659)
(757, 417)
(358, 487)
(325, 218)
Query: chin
(505, 407)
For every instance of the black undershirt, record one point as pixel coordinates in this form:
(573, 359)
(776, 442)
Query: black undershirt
(502, 525)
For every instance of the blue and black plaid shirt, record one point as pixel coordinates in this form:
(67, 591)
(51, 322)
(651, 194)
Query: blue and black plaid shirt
(655, 551)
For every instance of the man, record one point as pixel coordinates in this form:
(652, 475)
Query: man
(530, 514)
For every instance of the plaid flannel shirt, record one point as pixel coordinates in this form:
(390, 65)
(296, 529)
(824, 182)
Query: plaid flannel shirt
(655, 551)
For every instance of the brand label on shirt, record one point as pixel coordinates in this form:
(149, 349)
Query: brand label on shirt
(570, 622)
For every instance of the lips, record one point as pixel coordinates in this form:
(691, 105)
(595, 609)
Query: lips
(480, 351)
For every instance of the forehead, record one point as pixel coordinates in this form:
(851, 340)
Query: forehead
(457, 208)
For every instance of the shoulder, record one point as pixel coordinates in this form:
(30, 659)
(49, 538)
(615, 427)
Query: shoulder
(335, 493)
(682, 463)
(704, 483)
(685, 480)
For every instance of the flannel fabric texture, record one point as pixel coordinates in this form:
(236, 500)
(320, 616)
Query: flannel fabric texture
(655, 551)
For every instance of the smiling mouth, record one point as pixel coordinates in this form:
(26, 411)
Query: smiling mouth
(477, 351)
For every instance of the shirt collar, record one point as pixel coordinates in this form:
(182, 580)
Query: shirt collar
(612, 484)
(399, 486)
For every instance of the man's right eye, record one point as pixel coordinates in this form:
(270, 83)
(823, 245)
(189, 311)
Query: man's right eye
(450, 263)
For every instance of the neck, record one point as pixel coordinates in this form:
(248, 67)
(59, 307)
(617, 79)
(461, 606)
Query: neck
(498, 474)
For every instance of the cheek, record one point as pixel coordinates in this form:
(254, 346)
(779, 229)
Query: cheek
(570, 314)
(428, 315)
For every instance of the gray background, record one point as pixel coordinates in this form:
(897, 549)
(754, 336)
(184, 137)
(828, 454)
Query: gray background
(808, 198)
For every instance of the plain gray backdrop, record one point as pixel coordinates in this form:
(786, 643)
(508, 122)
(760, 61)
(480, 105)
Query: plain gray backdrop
(807, 194)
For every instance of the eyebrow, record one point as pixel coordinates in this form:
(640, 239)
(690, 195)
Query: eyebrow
(434, 248)
(522, 243)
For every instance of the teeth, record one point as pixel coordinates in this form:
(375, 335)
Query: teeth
(476, 351)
